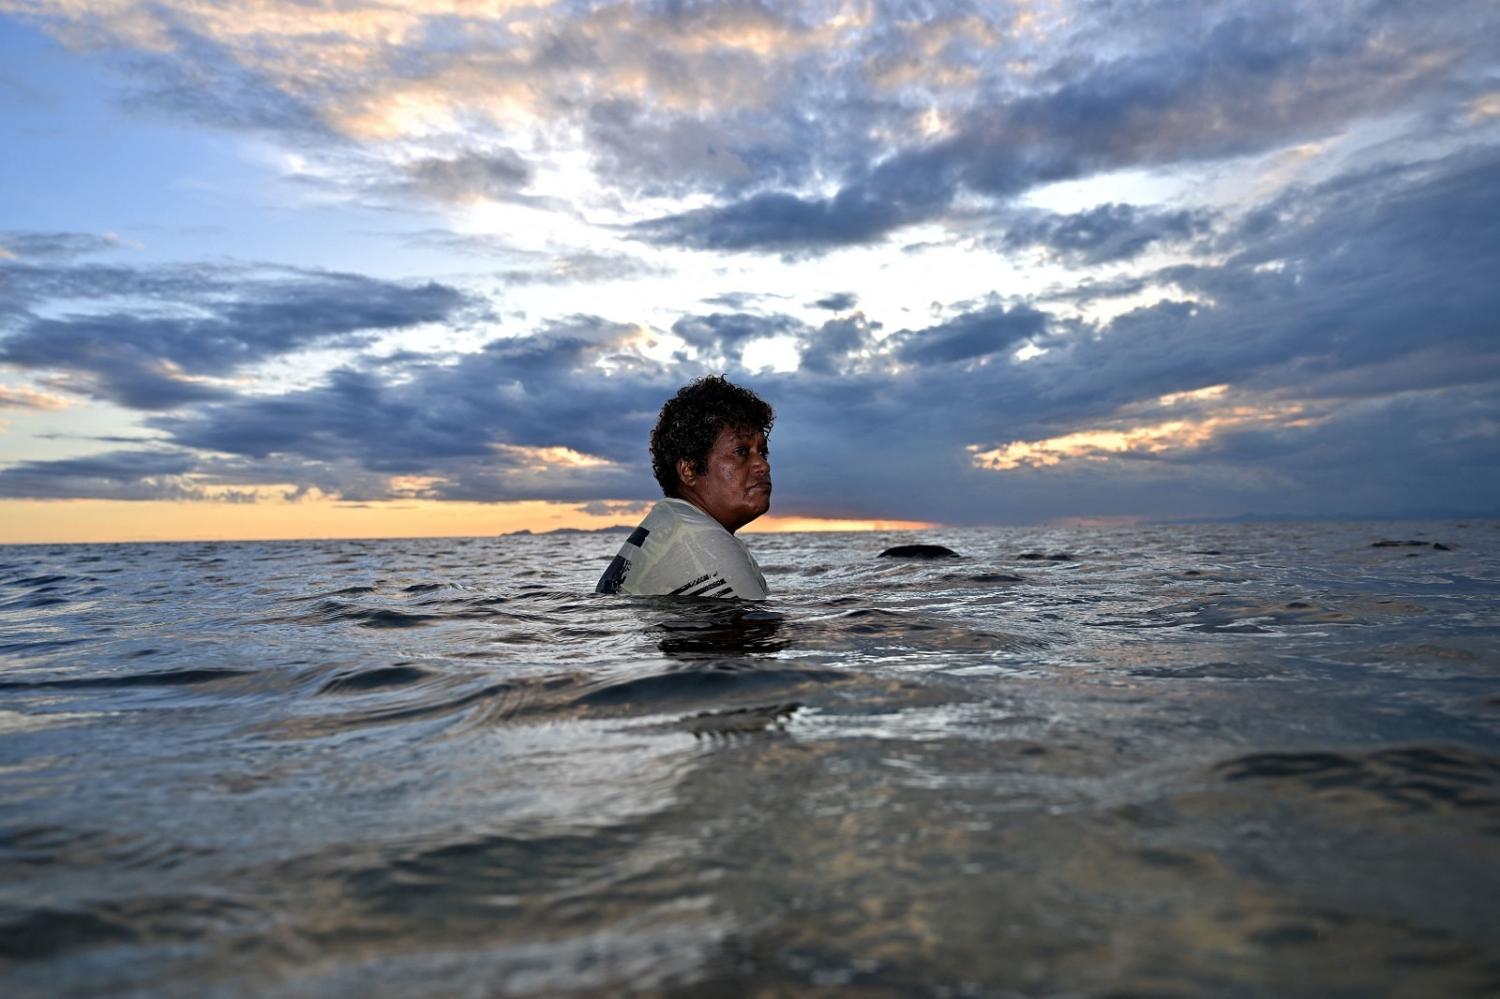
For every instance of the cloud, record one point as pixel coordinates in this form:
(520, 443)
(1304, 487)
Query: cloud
(187, 73)
(29, 398)
(905, 190)
(841, 301)
(470, 176)
(794, 129)
(172, 330)
(1200, 87)
(1108, 233)
(1358, 300)
(121, 475)
(538, 267)
(600, 508)
(741, 301)
(726, 335)
(534, 392)
(54, 246)
(584, 268)
(830, 349)
(969, 336)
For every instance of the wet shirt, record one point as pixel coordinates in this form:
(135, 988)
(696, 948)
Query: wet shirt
(681, 551)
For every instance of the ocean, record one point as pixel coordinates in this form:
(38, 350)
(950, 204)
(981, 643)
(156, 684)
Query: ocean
(1227, 759)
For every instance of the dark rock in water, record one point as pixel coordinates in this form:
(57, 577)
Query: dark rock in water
(1399, 544)
(919, 551)
(1039, 557)
(1439, 546)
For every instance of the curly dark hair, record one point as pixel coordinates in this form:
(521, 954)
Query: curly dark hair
(692, 419)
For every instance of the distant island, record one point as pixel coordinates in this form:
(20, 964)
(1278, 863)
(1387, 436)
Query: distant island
(570, 530)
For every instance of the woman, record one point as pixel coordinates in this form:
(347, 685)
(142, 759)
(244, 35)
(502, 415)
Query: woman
(709, 453)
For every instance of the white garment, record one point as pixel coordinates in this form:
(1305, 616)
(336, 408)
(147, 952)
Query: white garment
(681, 551)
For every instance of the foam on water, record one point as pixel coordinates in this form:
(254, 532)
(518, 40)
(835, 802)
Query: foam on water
(1170, 760)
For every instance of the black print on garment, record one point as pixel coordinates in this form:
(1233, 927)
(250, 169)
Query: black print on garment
(614, 575)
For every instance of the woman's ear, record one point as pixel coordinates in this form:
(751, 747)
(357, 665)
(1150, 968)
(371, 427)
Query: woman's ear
(685, 473)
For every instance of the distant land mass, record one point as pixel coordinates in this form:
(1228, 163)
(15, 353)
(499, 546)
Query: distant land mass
(571, 530)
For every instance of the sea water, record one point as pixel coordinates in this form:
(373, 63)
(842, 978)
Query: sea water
(1167, 760)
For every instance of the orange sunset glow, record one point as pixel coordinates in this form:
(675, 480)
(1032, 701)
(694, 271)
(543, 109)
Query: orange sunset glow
(80, 520)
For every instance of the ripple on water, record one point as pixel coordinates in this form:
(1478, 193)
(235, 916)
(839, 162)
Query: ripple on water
(372, 617)
(144, 921)
(378, 678)
(719, 683)
(156, 678)
(1462, 783)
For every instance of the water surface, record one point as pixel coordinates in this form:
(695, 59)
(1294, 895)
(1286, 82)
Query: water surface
(1238, 759)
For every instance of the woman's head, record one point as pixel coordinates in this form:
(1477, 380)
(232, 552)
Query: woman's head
(692, 421)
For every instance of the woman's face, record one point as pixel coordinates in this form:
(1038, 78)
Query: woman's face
(735, 486)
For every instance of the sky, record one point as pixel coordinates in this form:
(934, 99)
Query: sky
(289, 268)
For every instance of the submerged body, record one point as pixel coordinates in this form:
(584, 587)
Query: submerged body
(679, 550)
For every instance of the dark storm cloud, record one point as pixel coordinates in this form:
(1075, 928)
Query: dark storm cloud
(766, 107)
(1364, 300)
(908, 189)
(126, 475)
(170, 326)
(1368, 299)
(741, 300)
(26, 284)
(841, 301)
(828, 349)
(1374, 454)
(1091, 289)
(1196, 85)
(1209, 83)
(536, 391)
(974, 334)
(1105, 234)
(1378, 294)
(1367, 269)
(1367, 285)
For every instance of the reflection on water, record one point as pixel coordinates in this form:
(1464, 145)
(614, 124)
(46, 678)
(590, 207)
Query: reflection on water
(694, 629)
(1168, 761)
